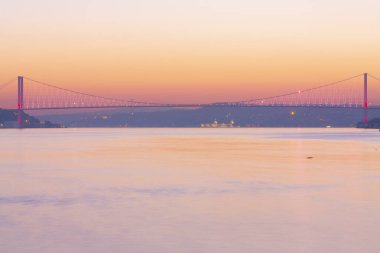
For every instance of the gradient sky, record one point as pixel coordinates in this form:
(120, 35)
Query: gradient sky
(189, 51)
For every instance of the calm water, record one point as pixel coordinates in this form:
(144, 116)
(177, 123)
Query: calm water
(190, 190)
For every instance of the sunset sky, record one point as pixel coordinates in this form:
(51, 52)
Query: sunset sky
(188, 51)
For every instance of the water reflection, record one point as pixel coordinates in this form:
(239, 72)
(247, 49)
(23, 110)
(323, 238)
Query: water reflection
(189, 190)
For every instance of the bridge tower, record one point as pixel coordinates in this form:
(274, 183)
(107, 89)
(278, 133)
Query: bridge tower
(20, 101)
(365, 102)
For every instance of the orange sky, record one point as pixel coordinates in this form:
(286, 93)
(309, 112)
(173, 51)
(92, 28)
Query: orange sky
(188, 51)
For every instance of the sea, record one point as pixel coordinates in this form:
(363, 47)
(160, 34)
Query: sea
(125, 190)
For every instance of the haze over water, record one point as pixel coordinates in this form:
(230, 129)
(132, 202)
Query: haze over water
(190, 190)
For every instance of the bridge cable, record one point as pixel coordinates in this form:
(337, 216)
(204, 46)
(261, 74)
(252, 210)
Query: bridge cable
(374, 77)
(194, 105)
(300, 91)
(4, 85)
(94, 96)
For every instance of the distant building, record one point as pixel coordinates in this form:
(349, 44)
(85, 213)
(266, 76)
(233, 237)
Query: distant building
(215, 124)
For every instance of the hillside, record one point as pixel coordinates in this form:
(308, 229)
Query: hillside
(373, 123)
(8, 119)
(243, 117)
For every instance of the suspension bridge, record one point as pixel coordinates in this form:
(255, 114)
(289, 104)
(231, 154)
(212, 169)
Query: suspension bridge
(351, 92)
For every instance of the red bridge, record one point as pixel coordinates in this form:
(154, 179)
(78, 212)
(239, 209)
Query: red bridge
(350, 92)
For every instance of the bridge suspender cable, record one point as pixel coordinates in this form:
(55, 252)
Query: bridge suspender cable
(90, 95)
(55, 97)
(301, 91)
(194, 105)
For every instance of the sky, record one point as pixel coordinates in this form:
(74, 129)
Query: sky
(188, 50)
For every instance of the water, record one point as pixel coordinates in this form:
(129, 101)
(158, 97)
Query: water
(190, 190)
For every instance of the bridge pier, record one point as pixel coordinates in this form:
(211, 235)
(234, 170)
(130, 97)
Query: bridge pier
(20, 101)
(365, 102)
